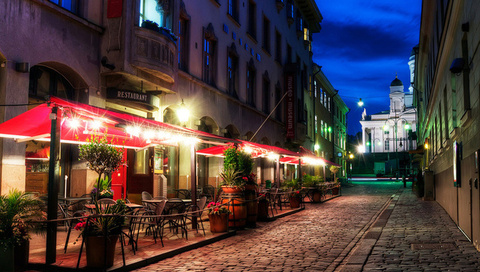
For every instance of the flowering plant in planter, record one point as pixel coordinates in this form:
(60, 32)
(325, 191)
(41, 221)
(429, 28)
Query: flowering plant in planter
(108, 220)
(217, 208)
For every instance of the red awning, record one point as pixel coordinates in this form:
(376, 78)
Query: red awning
(80, 121)
(256, 150)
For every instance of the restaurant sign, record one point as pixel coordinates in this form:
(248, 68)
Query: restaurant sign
(290, 110)
(133, 99)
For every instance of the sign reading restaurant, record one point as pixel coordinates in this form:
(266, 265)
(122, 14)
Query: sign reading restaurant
(127, 97)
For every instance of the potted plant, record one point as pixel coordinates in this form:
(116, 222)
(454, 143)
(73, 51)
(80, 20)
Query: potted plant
(295, 196)
(100, 233)
(103, 158)
(18, 211)
(312, 184)
(218, 217)
(105, 189)
(237, 176)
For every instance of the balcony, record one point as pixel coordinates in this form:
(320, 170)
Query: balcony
(155, 52)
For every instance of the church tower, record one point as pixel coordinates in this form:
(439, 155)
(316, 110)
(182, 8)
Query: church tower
(397, 97)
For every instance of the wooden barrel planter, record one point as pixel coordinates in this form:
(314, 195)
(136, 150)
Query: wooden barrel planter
(218, 222)
(237, 206)
(252, 205)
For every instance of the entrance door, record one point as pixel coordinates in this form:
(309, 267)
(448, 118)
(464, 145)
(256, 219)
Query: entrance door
(140, 173)
(119, 179)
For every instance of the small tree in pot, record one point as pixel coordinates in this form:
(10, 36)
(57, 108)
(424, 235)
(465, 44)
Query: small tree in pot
(102, 157)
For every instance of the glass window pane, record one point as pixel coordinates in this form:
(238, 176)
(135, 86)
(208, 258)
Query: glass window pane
(141, 162)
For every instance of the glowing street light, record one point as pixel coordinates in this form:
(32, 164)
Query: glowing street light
(183, 113)
(360, 103)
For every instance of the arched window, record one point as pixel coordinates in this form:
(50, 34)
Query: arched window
(45, 81)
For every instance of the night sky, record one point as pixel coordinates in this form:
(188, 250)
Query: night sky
(362, 45)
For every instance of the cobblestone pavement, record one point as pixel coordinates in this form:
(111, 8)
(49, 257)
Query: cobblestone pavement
(332, 236)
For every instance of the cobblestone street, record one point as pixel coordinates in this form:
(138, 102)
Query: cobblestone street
(365, 229)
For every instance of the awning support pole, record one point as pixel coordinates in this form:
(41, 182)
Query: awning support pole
(53, 183)
(193, 173)
(277, 173)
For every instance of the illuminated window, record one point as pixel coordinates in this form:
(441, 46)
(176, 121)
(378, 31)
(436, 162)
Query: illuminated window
(71, 5)
(156, 11)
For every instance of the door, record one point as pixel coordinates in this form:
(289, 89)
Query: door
(119, 179)
(140, 173)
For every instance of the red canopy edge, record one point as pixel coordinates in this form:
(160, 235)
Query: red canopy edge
(78, 124)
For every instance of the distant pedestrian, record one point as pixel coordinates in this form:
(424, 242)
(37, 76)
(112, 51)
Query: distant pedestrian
(404, 181)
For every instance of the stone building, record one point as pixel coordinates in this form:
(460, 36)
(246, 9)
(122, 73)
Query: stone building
(230, 63)
(447, 98)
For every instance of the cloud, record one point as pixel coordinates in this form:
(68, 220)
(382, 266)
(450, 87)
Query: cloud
(356, 42)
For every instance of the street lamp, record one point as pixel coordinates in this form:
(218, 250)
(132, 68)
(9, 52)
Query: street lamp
(387, 128)
(350, 157)
(183, 113)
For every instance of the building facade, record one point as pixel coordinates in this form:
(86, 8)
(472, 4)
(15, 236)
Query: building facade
(447, 98)
(234, 65)
(391, 132)
(329, 121)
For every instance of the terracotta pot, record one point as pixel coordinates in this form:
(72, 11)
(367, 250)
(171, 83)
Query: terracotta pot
(335, 190)
(95, 248)
(252, 205)
(218, 222)
(295, 202)
(262, 210)
(317, 196)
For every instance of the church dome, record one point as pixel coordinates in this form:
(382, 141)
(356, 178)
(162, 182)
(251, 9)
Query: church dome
(396, 82)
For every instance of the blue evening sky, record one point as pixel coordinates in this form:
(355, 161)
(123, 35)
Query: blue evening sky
(362, 45)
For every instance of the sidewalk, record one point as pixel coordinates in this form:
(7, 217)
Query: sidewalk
(413, 235)
(148, 251)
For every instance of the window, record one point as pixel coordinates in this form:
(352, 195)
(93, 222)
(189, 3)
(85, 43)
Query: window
(266, 34)
(233, 9)
(266, 93)
(251, 75)
(71, 5)
(45, 81)
(157, 11)
(290, 12)
(232, 71)
(252, 22)
(182, 41)
(321, 128)
(316, 124)
(209, 43)
(140, 166)
(278, 46)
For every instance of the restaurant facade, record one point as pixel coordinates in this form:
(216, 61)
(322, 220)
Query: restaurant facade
(227, 65)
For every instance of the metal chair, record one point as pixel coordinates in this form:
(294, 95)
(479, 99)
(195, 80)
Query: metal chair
(209, 192)
(175, 215)
(197, 213)
(184, 194)
(154, 222)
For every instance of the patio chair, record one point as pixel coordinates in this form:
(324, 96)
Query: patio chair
(175, 211)
(199, 208)
(153, 221)
(184, 194)
(148, 206)
(209, 192)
